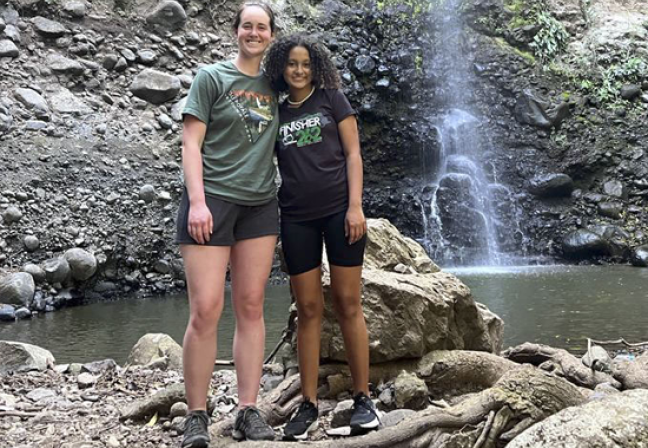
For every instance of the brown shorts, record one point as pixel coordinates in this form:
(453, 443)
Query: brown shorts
(232, 222)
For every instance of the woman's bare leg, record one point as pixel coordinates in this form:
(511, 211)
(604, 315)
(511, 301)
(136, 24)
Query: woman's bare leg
(347, 304)
(251, 261)
(307, 288)
(205, 268)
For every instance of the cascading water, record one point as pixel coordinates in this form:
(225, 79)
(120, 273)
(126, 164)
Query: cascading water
(463, 204)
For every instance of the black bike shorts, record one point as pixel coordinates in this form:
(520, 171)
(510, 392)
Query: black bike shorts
(302, 244)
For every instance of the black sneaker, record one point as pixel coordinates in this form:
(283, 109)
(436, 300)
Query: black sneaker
(195, 430)
(251, 426)
(365, 415)
(303, 422)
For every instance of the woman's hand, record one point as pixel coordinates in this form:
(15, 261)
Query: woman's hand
(200, 223)
(355, 225)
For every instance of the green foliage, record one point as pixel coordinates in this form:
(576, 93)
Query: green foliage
(551, 39)
(416, 7)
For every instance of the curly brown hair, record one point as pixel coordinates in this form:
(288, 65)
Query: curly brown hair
(324, 73)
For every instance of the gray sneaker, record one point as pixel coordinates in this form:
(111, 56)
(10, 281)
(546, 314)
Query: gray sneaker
(195, 430)
(365, 415)
(251, 426)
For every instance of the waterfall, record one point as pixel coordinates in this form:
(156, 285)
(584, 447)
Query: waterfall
(469, 216)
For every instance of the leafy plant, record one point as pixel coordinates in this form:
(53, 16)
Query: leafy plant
(551, 39)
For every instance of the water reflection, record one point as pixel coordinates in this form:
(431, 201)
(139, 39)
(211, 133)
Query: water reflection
(556, 305)
(110, 329)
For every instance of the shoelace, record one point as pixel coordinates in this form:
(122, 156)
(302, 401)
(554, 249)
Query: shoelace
(254, 420)
(301, 411)
(196, 423)
(364, 401)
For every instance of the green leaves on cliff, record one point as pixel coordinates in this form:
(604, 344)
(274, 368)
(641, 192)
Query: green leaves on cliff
(551, 39)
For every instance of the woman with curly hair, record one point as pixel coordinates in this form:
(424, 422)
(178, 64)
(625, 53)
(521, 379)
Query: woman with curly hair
(318, 150)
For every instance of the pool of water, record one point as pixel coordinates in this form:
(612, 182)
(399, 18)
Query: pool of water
(556, 305)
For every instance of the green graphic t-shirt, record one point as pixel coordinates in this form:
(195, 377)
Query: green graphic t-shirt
(240, 112)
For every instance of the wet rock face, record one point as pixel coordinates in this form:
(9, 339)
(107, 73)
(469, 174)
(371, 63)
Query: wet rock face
(585, 244)
(551, 185)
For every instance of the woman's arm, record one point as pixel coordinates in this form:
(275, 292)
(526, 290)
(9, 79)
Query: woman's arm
(355, 225)
(200, 223)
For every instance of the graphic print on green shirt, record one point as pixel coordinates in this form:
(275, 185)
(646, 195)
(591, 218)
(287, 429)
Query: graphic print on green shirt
(254, 109)
(303, 132)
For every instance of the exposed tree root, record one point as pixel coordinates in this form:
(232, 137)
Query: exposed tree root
(560, 362)
(519, 395)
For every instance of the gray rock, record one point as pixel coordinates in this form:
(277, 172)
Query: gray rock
(179, 409)
(615, 421)
(31, 243)
(17, 289)
(99, 367)
(410, 391)
(82, 263)
(341, 415)
(551, 185)
(19, 357)
(147, 57)
(110, 61)
(147, 193)
(61, 64)
(128, 55)
(57, 270)
(35, 125)
(363, 65)
(165, 121)
(584, 244)
(49, 28)
(168, 15)
(630, 91)
(121, 65)
(8, 49)
(536, 111)
(3, 25)
(155, 87)
(598, 359)
(65, 102)
(11, 214)
(185, 80)
(86, 380)
(176, 110)
(615, 189)
(270, 382)
(75, 9)
(23, 313)
(155, 345)
(427, 311)
(162, 267)
(35, 271)
(640, 256)
(7, 313)
(41, 394)
(611, 209)
(13, 34)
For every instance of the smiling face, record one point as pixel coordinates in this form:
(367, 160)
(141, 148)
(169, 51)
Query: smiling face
(254, 32)
(297, 73)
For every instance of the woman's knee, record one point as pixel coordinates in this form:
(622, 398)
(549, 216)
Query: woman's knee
(204, 317)
(309, 309)
(347, 307)
(249, 307)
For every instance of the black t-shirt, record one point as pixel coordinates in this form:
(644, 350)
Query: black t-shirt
(311, 158)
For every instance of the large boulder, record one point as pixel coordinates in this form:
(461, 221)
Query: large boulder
(83, 264)
(57, 270)
(62, 65)
(168, 15)
(584, 244)
(551, 185)
(17, 289)
(49, 28)
(19, 357)
(536, 111)
(153, 346)
(410, 314)
(615, 421)
(66, 102)
(32, 100)
(155, 87)
(8, 49)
